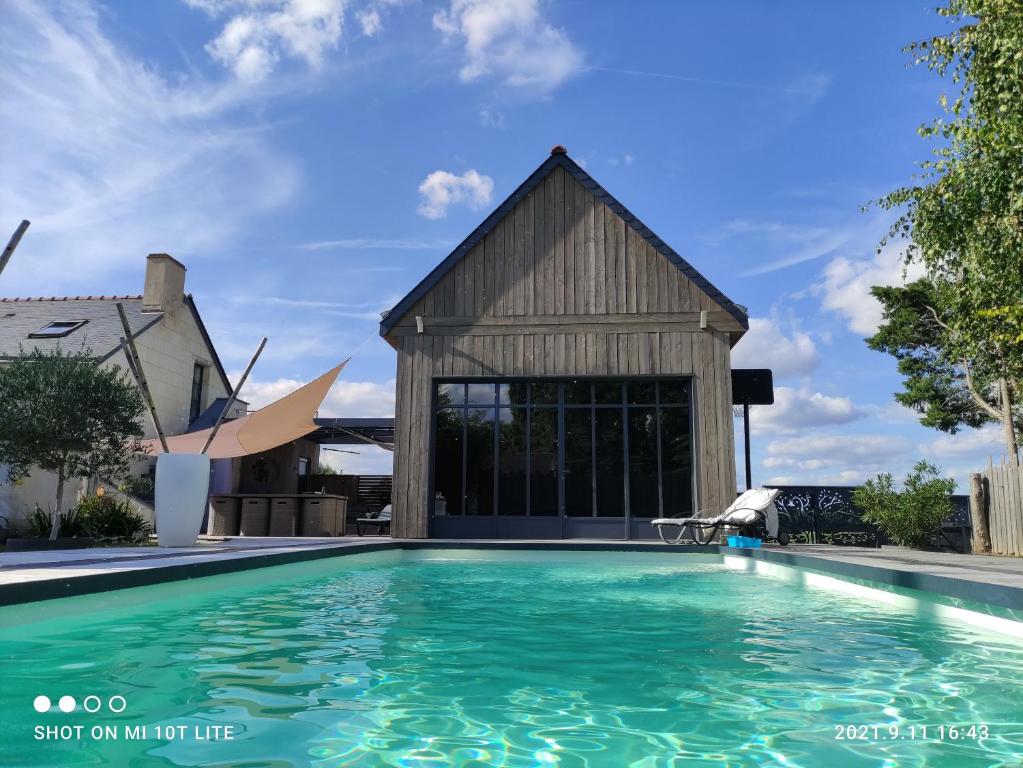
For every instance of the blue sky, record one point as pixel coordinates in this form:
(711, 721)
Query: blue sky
(311, 160)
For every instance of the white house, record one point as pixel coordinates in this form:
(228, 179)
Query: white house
(179, 360)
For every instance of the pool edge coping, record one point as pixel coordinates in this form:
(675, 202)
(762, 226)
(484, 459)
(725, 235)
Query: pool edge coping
(998, 596)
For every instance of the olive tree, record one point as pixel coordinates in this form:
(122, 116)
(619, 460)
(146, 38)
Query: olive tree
(60, 412)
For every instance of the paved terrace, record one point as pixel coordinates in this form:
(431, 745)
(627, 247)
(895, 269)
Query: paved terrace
(30, 576)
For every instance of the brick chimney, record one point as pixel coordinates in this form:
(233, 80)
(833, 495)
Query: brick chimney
(165, 284)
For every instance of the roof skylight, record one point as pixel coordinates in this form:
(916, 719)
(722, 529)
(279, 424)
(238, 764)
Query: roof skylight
(57, 329)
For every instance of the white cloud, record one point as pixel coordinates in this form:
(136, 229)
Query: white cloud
(812, 86)
(370, 21)
(259, 33)
(765, 345)
(442, 189)
(826, 244)
(491, 118)
(834, 459)
(798, 409)
(369, 243)
(847, 283)
(977, 443)
(111, 160)
(346, 398)
(359, 460)
(511, 40)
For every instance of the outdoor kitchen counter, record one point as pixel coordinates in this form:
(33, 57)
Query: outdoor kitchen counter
(278, 514)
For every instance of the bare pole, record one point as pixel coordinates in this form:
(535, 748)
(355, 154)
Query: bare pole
(13, 243)
(135, 364)
(232, 398)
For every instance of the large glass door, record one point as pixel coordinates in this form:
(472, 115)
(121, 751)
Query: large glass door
(574, 458)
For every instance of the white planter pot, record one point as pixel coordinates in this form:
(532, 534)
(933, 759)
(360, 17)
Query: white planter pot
(182, 488)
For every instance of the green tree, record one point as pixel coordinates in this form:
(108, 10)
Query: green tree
(62, 413)
(949, 393)
(962, 217)
(911, 517)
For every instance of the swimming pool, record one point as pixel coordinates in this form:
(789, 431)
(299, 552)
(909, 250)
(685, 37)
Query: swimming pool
(474, 658)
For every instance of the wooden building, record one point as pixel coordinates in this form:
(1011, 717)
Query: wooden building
(562, 373)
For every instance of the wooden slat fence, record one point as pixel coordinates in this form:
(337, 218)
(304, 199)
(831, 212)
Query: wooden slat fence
(1003, 502)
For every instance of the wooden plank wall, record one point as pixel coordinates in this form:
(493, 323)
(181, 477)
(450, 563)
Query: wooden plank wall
(561, 252)
(562, 286)
(1004, 490)
(704, 355)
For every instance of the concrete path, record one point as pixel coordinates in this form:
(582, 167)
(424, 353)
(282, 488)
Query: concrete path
(987, 569)
(24, 567)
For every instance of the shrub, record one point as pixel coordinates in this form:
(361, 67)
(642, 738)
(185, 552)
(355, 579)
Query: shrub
(141, 487)
(39, 523)
(912, 516)
(108, 518)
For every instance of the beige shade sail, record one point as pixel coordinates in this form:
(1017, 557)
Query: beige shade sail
(282, 421)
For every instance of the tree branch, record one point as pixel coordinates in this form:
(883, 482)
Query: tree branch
(983, 404)
(937, 319)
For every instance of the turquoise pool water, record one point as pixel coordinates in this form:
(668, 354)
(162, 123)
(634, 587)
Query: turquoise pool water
(503, 659)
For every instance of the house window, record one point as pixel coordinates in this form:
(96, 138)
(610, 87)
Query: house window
(198, 380)
(58, 329)
(583, 448)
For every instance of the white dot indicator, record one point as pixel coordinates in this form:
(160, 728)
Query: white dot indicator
(67, 703)
(41, 704)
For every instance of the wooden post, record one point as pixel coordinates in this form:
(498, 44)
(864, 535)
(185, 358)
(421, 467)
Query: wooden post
(135, 365)
(232, 398)
(978, 508)
(745, 429)
(12, 244)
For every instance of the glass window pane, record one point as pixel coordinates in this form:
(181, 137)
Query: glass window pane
(450, 394)
(544, 394)
(676, 462)
(578, 462)
(543, 461)
(610, 449)
(640, 392)
(479, 462)
(578, 393)
(447, 471)
(512, 394)
(511, 464)
(674, 392)
(608, 392)
(643, 462)
(481, 394)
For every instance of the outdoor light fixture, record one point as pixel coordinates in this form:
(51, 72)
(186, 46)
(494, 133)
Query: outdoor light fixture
(419, 323)
(703, 319)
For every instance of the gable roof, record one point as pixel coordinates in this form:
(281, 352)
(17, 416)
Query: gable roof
(559, 158)
(101, 333)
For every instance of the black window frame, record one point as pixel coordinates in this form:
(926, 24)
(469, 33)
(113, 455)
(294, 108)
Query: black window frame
(196, 397)
(559, 407)
(72, 326)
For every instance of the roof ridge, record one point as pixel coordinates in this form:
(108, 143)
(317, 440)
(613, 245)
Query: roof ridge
(559, 157)
(128, 297)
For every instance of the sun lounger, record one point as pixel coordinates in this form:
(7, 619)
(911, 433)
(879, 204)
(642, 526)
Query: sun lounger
(753, 513)
(381, 519)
